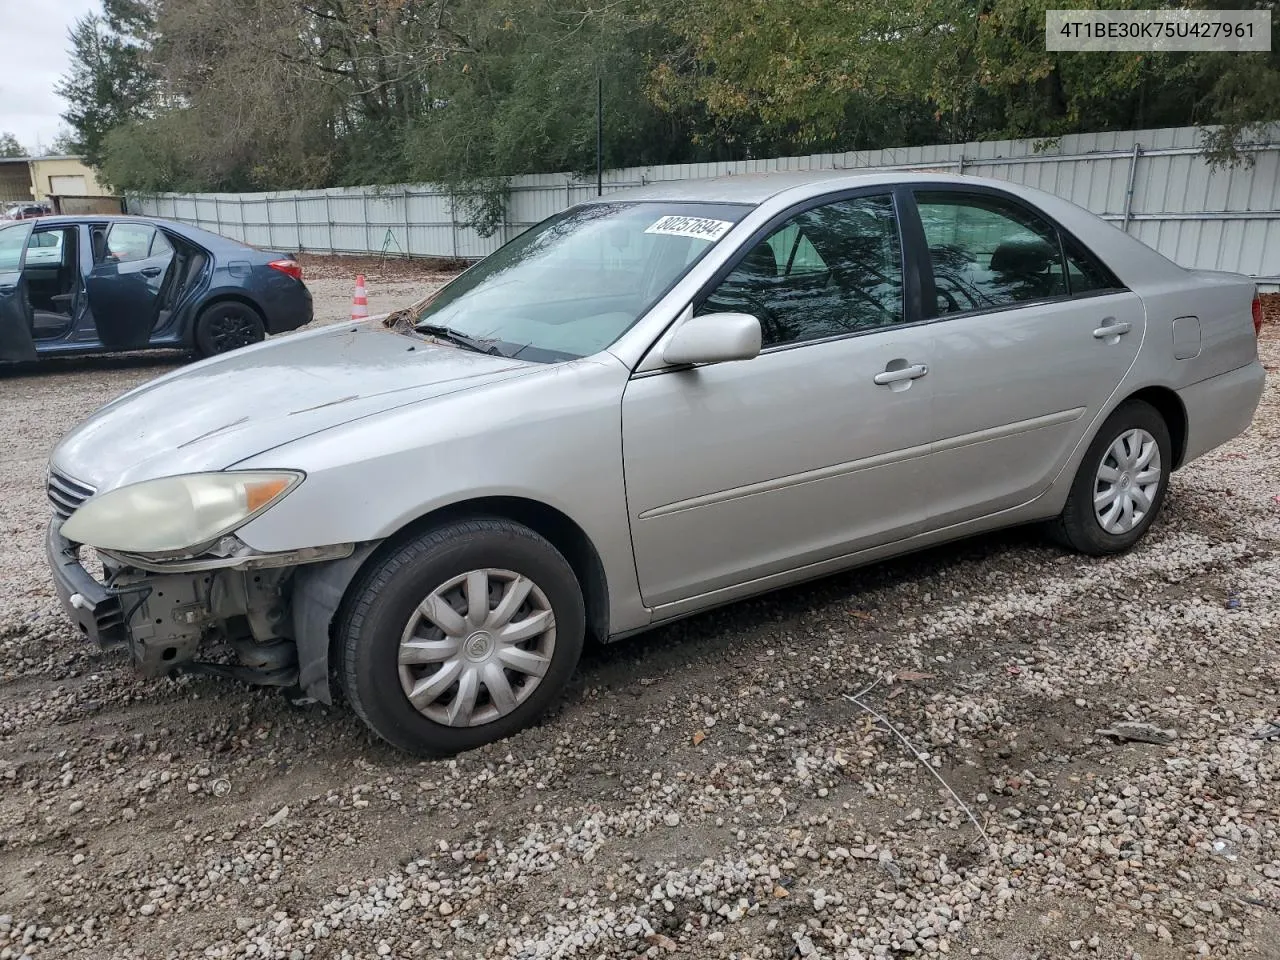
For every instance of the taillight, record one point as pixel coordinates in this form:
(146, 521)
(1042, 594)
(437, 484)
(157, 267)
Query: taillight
(292, 267)
(1257, 315)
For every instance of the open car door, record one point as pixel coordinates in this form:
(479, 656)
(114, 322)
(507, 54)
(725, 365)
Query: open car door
(16, 342)
(125, 284)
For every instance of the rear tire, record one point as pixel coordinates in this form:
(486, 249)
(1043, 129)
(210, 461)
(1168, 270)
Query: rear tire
(434, 673)
(227, 325)
(1120, 485)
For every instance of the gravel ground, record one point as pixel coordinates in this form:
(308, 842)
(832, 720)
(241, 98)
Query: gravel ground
(707, 790)
(390, 283)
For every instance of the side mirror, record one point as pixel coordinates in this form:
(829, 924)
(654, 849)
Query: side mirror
(714, 338)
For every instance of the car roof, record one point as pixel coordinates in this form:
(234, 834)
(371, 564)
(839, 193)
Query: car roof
(756, 188)
(195, 234)
(106, 218)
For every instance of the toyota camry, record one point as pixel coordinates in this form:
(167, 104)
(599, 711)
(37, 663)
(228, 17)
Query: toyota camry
(641, 408)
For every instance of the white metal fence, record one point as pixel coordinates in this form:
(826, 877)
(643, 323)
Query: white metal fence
(1152, 183)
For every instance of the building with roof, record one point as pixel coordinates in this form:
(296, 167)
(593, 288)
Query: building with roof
(62, 181)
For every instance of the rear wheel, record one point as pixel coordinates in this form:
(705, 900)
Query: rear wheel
(226, 326)
(463, 636)
(1120, 485)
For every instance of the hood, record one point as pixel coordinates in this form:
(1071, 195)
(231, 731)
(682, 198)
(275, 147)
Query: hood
(213, 414)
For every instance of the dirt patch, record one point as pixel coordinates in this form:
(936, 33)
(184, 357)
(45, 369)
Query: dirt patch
(1270, 308)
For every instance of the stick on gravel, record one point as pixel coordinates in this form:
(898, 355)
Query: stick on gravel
(927, 765)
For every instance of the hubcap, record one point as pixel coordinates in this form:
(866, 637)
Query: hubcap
(1128, 478)
(477, 647)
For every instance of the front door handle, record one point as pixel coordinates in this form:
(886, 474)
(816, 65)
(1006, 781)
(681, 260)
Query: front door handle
(913, 372)
(1112, 330)
(150, 271)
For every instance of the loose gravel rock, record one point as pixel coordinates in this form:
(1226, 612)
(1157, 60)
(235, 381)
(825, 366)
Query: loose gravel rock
(705, 791)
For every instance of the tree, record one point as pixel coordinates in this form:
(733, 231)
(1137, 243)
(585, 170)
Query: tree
(111, 81)
(10, 147)
(267, 94)
(869, 73)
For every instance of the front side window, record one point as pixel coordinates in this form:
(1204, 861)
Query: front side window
(826, 272)
(13, 244)
(987, 252)
(129, 241)
(573, 284)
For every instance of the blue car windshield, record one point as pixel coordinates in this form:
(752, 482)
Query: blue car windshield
(573, 284)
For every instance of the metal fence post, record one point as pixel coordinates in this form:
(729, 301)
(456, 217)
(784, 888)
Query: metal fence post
(271, 241)
(453, 222)
(364, 213)
(1128, 190)
(405, 210)
(328, 221)
(297, 223)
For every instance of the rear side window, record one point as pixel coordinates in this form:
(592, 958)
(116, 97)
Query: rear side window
(129, 241)
(1084, 273)
(160, 244)
(986, 252)
(989, 252)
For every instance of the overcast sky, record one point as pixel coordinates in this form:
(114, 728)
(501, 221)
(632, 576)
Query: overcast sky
(32, 58)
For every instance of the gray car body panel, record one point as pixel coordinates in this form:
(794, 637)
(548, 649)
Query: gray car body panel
(699, 486)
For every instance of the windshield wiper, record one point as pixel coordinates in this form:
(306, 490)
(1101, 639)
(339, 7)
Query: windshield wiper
(459, 339)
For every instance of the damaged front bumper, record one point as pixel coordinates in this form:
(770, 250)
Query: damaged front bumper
(164, 612)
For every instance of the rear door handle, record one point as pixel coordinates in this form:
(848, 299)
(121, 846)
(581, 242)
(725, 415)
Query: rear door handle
(1112, 330)
(8, 288)
(913, 372)
(150, 271)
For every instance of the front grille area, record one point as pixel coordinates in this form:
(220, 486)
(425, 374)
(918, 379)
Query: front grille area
(66, 494)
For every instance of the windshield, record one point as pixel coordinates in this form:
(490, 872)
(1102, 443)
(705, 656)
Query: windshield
(573, 284)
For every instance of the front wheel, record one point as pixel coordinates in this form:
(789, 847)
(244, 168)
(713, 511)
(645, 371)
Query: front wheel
(227, 326)
(462, 636)
(1120, 485)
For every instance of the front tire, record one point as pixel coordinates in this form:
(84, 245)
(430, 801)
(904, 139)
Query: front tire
(227, 326)
(462, 636)
(1120, 485)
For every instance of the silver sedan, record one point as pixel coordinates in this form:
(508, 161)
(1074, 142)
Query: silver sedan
(641, 408)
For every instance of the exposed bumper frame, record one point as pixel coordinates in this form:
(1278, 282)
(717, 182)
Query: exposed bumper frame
(101, 612)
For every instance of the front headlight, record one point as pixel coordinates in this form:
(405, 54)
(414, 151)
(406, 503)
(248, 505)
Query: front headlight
(177, 513)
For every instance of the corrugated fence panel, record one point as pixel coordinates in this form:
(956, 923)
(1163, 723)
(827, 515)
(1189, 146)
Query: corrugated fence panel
(1226, 218)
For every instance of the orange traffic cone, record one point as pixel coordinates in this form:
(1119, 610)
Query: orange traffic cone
(360, 300)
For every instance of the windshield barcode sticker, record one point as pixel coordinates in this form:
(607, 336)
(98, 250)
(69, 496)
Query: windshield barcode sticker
(699, 228)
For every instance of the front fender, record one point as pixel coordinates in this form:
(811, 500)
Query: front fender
(552, 437)
(318, 589)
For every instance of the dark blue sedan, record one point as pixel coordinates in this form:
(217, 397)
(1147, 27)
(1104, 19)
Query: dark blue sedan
(71, 285)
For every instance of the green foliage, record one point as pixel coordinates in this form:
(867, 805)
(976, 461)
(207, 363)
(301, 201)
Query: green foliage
(10, 147)
(522, 97)
(111, 81)
(864, 73)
